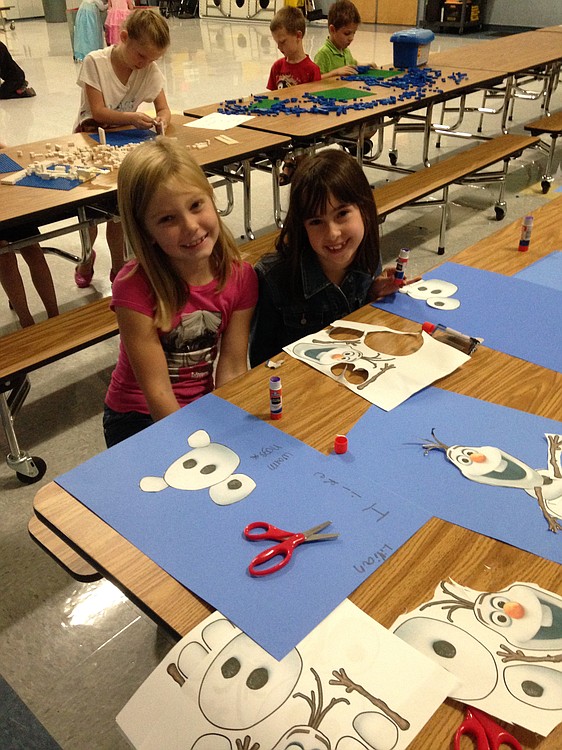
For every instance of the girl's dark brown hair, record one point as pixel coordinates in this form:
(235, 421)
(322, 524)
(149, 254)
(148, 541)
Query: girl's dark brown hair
(330, 174)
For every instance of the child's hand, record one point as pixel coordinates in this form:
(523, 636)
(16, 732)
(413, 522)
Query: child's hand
(387, 283)
(141, 120)
(159, 125)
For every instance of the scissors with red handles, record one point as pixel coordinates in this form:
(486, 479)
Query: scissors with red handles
(483, 729)
(288, 542)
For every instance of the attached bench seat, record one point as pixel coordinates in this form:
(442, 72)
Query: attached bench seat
(465, 166)
(31, 348)
(552, 126)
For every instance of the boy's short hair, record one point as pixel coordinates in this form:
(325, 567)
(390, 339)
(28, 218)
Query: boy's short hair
(290, 19)
(147, 26)
(343, 13)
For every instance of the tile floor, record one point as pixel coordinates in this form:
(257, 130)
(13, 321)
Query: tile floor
(76, 652)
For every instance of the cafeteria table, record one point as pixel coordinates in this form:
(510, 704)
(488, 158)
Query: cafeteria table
(439, 550)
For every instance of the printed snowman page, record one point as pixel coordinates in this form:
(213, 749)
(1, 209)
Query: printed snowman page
(349, 685)
(505, 648)
(384, 366)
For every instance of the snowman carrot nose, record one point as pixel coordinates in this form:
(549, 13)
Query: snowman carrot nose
(478, 458)
(515, 610)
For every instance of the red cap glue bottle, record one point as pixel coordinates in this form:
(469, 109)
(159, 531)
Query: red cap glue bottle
(275, 397)
(526, 229)
(446, 335)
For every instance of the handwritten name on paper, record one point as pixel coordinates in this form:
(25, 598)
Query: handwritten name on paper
(376, 559)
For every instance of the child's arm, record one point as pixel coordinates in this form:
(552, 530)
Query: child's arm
(163, 113)
(346, 70)
(147, 358)
(131, 4)
(105, 116)
(233, 357)
(272, 80)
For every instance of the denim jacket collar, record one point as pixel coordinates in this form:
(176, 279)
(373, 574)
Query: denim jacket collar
(315, 281)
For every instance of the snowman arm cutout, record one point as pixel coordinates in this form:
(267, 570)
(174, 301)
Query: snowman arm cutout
(343, 680)
(317, 713)
(554, 445)
(372, 379)
(507, 654)
(553, 524)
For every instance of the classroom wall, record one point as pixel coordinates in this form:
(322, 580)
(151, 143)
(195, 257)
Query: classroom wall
(523, 13)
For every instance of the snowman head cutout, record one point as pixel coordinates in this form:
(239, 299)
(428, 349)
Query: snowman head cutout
(436, 293)
(207, 465)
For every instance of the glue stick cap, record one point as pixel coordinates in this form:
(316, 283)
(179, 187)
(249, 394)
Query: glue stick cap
(429, 327)
(340, 444)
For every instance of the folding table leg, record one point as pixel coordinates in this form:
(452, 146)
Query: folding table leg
(247, 187)
(29, 469)
(547, 178)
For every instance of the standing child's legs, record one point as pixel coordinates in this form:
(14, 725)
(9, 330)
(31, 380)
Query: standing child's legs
(12, 282)
(41, 278)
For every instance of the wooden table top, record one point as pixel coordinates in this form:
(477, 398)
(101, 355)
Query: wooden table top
(438, 551)
(552, 29)
(308, 125)
(30, 204)
(509, 54)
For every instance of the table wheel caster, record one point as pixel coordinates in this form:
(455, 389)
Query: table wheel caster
(29, 469)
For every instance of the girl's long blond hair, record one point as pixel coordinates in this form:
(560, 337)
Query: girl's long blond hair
(142, 171)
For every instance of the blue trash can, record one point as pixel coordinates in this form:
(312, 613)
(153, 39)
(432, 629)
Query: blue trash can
(411, 47)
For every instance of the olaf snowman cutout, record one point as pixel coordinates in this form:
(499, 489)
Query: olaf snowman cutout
(490, 465)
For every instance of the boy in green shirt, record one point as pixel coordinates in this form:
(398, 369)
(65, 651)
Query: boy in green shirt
(334, 58)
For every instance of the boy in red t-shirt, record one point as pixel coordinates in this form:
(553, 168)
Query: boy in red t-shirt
(287, 29)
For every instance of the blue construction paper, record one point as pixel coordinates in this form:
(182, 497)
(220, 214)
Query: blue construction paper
(432, 481)
(201, 544)
(8, 165)
(124, 137)
(511, 315)
(546, 271)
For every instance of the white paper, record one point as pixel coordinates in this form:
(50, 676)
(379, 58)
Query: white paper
(389, 379)
(505, 647)
(218, 121)
(393, 690)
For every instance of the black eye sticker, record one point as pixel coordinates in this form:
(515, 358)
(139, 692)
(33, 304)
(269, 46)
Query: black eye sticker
(230, 668)
(257, 678)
